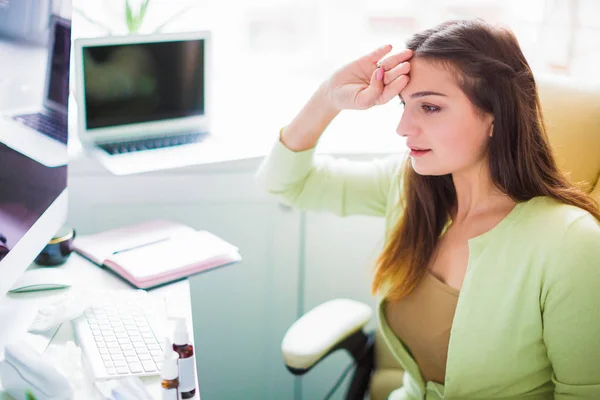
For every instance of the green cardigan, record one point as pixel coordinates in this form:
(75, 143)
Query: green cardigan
(527, 321)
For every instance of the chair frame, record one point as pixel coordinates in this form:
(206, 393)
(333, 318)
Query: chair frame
(361, 347)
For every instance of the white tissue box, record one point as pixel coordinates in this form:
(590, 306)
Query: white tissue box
(25, 370)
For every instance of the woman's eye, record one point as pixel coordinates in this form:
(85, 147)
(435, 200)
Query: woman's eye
(430, 109)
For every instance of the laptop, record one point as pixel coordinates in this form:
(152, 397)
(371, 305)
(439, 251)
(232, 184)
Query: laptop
(41, 134)
(142, 99)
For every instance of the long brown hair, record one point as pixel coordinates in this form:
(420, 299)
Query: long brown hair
(495, 76)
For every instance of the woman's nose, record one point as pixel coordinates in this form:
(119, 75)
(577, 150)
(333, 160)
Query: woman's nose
(406, 126)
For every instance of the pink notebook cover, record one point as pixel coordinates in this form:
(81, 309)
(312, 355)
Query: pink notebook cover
(170, 276)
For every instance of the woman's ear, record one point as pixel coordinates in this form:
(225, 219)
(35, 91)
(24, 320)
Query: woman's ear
(492, 129)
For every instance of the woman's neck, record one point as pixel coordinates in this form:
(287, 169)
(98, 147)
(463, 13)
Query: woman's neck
(476, 194)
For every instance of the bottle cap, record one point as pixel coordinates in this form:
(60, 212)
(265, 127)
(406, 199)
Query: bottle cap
(181, 337)
(170, 368)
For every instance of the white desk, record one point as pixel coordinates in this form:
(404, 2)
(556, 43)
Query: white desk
(85, 275)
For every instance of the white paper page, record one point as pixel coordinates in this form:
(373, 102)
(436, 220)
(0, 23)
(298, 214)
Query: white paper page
(177, 252)
(101, 246)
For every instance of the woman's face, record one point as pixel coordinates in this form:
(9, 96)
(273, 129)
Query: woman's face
(439, 118)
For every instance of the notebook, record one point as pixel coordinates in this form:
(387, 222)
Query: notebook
(156, 252)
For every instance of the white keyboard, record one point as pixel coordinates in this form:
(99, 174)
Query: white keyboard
(120, 334)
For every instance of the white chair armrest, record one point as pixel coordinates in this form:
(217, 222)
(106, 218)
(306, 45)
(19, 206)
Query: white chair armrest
(318, 331)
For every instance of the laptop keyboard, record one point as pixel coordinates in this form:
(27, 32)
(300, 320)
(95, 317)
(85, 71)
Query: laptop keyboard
(153, 143)
(54, 126)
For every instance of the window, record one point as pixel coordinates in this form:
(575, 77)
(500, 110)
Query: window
(270, 55)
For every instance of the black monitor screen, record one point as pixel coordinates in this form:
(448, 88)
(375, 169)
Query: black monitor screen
(28, 188)
(143, 82)
(58, 89)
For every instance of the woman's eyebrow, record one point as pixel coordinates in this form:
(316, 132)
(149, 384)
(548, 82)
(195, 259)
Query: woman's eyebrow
(423, 94)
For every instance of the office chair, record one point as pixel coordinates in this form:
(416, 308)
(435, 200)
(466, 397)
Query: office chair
(572, 115)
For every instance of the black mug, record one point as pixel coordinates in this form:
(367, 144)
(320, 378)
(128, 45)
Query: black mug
(58, 250)
(3, 247)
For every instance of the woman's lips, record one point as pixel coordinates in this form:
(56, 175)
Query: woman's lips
(418, 153)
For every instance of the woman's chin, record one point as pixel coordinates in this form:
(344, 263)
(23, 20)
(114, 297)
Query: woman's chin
(424, 169)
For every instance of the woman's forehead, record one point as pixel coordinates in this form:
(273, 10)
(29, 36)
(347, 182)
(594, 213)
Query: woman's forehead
(430, 76)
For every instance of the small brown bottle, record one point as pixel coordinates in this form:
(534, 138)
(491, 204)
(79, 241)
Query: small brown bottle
(187, 368)
(170, 374)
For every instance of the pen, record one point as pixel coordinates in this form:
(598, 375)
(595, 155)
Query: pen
(141, 245)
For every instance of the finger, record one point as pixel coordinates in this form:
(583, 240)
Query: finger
(368, 96)
(393, 89)
(378, 54)
(391, 75)
(398, 58)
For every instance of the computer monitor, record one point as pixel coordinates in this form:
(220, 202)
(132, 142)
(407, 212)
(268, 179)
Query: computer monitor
(33, 206)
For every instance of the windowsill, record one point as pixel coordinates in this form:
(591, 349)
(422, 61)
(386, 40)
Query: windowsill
(244, 153)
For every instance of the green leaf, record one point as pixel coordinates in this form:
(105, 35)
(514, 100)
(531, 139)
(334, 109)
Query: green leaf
(143, 8)
(129, 16)
(29, 395)
(134, 22)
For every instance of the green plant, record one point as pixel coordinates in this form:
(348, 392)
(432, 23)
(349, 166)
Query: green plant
(29, 395)
(135, 21)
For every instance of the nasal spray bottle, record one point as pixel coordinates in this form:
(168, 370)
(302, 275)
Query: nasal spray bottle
(187, 370)
(170, 373)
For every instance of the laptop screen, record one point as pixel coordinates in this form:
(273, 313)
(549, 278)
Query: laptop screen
(143, 82)
(58, 78)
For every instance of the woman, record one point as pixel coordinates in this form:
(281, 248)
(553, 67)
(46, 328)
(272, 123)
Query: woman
(490, 276)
